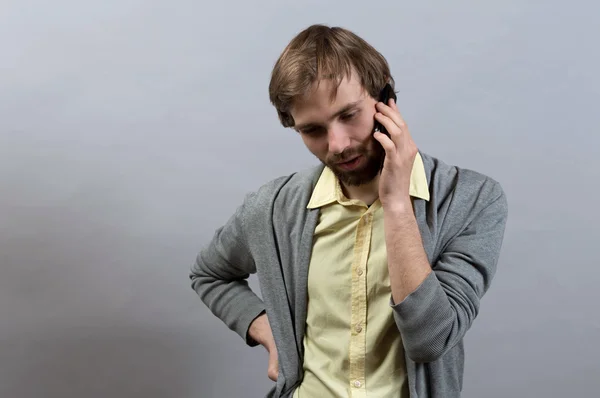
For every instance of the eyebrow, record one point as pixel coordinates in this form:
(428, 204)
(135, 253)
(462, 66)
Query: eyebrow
(346, 108)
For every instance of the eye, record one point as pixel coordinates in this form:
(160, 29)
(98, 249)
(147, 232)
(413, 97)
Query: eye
(348, 116)
(311, 131)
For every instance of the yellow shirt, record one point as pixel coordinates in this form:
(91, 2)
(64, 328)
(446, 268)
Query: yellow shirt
(352, 347)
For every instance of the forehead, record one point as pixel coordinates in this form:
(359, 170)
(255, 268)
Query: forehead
(318, 104)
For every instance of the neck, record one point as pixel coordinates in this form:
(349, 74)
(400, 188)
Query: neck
(367, 193)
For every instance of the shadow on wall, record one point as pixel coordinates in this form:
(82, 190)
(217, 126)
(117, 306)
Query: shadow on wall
(102, 361)
(94, 296)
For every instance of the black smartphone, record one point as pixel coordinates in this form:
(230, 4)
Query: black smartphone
(384, 96)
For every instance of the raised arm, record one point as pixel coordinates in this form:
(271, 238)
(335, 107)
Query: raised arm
(436, 315)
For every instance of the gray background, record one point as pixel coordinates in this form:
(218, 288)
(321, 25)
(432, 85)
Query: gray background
(130, 130)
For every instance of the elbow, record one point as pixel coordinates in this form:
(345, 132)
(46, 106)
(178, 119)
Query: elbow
(425, 353)
(194, 274)
(429, 343)
(198, 276)
(195, 281)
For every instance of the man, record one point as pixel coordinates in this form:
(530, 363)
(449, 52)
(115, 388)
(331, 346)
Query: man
(372, 264)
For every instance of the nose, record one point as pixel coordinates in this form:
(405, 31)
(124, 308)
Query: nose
(338, 139)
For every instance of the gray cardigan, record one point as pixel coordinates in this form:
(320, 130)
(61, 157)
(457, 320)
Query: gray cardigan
(271, 233)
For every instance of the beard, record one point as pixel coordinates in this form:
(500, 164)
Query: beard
(373, 154)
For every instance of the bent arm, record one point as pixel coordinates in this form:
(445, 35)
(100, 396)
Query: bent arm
(219, 277)
(437, 314)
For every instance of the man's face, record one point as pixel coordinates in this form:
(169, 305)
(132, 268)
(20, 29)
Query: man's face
(340, 133)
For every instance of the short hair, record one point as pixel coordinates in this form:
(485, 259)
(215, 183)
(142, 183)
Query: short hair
(323, 52)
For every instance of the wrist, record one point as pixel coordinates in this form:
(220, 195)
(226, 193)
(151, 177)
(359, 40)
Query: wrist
(260, 331)
(399, 207)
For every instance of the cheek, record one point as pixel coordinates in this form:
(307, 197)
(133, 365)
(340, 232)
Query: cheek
(368, 120)
(316, 146)
(363, 128)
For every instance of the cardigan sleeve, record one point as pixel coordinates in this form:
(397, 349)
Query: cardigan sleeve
(219, 275)
(436, 316)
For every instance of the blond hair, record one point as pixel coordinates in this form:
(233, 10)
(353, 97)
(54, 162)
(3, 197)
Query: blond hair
(323, 52)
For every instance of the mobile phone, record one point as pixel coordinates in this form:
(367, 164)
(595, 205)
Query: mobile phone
(384, 96)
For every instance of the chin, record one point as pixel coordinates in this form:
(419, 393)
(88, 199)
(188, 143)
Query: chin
(357, 177)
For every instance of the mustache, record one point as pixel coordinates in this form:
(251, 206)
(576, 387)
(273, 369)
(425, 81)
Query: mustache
(345, 155)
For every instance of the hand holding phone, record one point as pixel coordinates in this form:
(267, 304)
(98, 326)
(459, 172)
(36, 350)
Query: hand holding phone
(384, 96)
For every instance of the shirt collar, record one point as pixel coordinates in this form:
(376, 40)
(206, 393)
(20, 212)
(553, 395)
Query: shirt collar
(328, 188)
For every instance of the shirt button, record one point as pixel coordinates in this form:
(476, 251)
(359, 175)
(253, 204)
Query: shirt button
(359, 272)
(358, 328)
(357, 384)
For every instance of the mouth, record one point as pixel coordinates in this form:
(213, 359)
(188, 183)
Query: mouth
(350, 164)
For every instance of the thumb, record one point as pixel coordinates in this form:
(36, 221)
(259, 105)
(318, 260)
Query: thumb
(273, 369)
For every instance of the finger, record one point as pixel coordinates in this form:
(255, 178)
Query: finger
(273, 374)
(390, 126)
(392, 104)
(273, 369)
(391, 111)
(385, 141)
